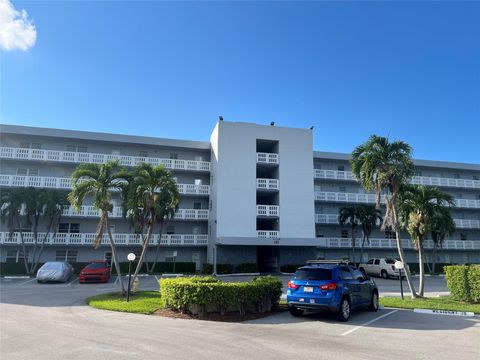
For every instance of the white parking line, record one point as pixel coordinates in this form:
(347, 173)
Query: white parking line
(368, 322)
(26, 282)
(71, 282)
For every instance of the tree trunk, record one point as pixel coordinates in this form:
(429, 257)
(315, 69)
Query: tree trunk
(25, 261)
(144, 250)
(157, 250)
(114, 254)
(421, 266)
(434, 258)
(401, 254)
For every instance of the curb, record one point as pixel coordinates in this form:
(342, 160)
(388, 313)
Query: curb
(16, 277)
(444, 312)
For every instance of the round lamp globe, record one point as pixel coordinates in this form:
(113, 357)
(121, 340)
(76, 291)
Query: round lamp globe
(131, 257)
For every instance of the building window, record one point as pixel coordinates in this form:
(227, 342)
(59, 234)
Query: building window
(418, 173)
(27, 172)
(475, 177)
(15, 256)
(66, 255)
(173, 156)
(73, 228)
(27, 145)
(341, 168)
(76, 148)
(198, 158)
(344, 234)
(170, 229)
(463, 236)
(389, 234)
(197, 205)
(342, 189)
(143, 153)
(456, 176)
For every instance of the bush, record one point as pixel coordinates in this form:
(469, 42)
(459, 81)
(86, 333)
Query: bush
(200, 295)
(463, 281)
(247, 268)
(207, 268)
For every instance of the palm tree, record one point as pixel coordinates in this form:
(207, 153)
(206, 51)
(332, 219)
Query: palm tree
(150, 198)
(418, 204)
(442, 225)
(368, 217)
(12, 209)
(350, 215)
(384, 167)
(99, 181)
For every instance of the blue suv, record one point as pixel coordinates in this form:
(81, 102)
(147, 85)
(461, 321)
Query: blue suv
(332, 286)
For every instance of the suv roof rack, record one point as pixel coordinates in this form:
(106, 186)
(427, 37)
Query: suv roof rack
(335, 262)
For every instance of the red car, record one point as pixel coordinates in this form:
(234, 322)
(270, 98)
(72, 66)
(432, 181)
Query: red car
(96, 271)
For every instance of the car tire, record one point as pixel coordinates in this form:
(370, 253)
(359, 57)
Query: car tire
(344, 310)
(362, 270)
(295, 311)
(373, 302)
(384, 274)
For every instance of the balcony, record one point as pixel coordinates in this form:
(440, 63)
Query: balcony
(418, 180)
(91, 211)
(459, 223)
(268, 210)
(119, 239)
(64, 183)
(79, 157)
(392, 244)
(268, 184)
(370, 199)
(268, 234)
(267, 158)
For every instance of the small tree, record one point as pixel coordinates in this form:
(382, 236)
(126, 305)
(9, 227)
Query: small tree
(350, 215)
(418, 204)
(151, 197)
(369, 217)
(442, 225)
(99, 181)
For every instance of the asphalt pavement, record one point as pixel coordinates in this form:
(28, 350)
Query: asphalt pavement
(51, 321)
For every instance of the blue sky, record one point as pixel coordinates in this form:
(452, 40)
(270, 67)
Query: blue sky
(408, 70)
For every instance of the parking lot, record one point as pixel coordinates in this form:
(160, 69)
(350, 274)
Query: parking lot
(52, 321)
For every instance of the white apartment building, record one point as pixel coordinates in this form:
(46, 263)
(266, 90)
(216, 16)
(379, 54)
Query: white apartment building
(253, 194)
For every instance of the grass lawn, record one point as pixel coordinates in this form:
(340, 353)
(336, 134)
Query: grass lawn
(142, 302)
(441, 303)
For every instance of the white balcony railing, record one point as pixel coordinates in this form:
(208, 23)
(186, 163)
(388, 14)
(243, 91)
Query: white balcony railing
(64, 183)
(267, 158)
(79, 157)
(119, 239)
(268, 184)
(459, 223)
(268, 234)
(392, 243)
(91, 211)
(424, 180)
(370, 199)
(268, 210)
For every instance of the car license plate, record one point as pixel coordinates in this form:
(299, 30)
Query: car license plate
(308, 289)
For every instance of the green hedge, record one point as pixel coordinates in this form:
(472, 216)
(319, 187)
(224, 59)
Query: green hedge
(200, 295)
(463, 281)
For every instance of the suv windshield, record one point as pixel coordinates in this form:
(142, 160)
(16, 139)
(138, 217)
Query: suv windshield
(390, 261)
(313, 274)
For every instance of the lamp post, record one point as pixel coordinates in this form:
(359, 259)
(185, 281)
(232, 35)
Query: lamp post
(131, 257)
(399, 265)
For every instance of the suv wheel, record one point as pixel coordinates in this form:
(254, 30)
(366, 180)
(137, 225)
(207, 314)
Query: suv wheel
(384, 274)
(295, 311)
(374, 302)
(344, 311)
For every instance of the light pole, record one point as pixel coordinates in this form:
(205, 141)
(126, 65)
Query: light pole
(399, 266)
(131, 257)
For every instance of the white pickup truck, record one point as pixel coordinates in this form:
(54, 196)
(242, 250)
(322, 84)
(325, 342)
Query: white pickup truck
(384, 267)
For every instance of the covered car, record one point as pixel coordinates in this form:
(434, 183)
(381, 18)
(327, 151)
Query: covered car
(55, 271)
(96, 271)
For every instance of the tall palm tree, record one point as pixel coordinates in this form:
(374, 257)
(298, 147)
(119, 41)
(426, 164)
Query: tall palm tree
(384, 166)
(442, 225)
(349, 215)
(99, 181)
(150, 198)
(12, 210)
(369, 217)
(418, 204)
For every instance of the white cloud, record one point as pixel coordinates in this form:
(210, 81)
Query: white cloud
(16, 30)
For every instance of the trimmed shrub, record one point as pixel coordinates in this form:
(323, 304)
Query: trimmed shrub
(198, 295)
(247, 268)
(463, 281)
(224, 269)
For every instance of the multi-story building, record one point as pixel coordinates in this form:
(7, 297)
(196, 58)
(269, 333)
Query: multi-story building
(252, 194)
